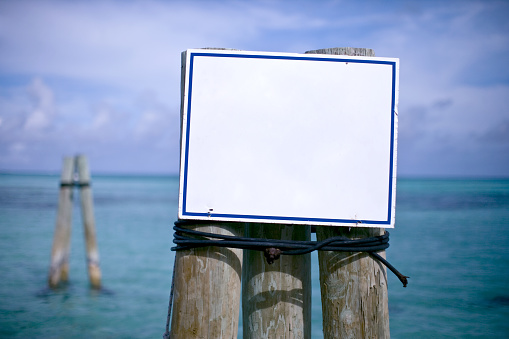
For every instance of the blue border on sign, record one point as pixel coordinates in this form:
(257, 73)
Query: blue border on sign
(285, 218)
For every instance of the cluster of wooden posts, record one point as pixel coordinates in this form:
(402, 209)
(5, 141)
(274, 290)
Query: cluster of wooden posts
(276, 299)
(75, 172)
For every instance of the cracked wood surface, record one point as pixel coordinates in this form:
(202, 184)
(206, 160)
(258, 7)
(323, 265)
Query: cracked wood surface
(276, 299)
(207, 288)
(353, 285)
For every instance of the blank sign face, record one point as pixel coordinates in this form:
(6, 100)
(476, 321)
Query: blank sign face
(288, 138)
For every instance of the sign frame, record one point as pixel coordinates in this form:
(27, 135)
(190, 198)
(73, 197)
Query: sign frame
(199, 115)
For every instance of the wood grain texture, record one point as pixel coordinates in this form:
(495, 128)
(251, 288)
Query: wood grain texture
(352, 51)
(353, 285)
(87, 213)
(276, 299)
(59, 266)
(353, 288)
(207, 288)
(207, 285)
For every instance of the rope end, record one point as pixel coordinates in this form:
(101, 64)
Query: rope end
(403, 279)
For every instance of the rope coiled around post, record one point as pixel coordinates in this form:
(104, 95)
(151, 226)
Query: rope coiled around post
(186, 238)
(75, 184)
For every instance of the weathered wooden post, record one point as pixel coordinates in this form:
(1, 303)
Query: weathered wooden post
(59, 267)
(207, 287)
(206, 300)
(276, 298)
(87, 212)
(353, 285)
(260, 144)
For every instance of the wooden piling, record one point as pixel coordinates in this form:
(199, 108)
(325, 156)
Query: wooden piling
(87, 212)
(59, 266)
(353, 285)
(206, 292)
(206, 285)
(276, 298)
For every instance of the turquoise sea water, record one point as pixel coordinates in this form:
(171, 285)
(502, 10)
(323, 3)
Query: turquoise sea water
(451, 238)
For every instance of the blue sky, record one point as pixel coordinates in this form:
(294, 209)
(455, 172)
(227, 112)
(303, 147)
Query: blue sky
(102, 77)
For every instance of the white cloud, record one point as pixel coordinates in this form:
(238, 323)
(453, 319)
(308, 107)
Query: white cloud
(99, 58)
(17, 147)
(131, 45)
(37, 120)
(43, 112)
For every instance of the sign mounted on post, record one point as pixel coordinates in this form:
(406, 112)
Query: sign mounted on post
(288, 138)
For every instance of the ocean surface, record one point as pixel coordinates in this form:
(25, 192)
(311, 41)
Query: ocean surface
(451, 238)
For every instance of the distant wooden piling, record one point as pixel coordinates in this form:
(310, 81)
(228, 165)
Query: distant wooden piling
(276, 298)
(59, 266)
(87, 212)
(206, 298)
(353, 285)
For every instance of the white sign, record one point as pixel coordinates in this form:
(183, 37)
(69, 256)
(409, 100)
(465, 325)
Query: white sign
(288, 138)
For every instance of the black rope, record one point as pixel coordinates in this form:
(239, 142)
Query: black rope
(166, 334)
(75, 184)
(186, 238)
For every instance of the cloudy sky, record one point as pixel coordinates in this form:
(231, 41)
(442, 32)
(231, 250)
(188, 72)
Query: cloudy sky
(102, 77)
